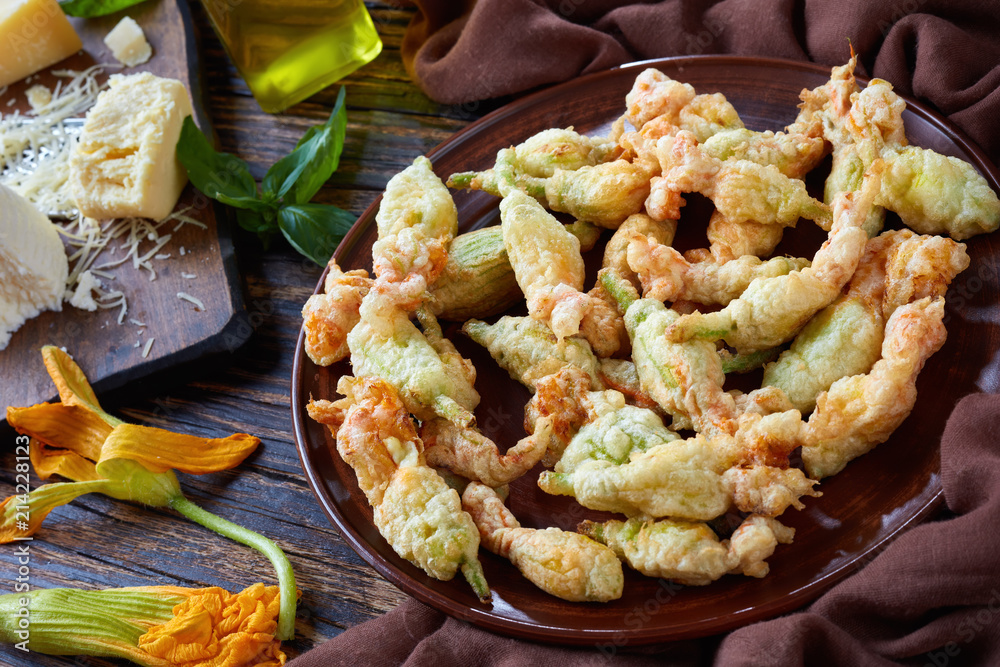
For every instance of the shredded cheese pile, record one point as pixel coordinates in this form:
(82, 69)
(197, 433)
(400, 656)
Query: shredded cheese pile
(35, 147)
(139, 244)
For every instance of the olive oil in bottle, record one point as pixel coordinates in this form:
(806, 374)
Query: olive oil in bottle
(287, 50)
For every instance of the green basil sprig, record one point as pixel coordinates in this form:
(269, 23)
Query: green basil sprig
(88, 9)
(282, 204)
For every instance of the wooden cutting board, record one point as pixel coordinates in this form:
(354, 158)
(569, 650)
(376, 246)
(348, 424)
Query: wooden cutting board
(111, 353)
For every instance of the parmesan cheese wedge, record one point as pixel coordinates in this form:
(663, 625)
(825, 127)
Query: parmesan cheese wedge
(125, 162)
(33, 265)
(128, 43)
(33, 35)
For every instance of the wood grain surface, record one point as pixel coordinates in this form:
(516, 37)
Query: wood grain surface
(111, 353)
(96, 542)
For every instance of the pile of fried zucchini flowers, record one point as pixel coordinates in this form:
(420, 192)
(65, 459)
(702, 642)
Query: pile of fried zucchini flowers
(628, 413)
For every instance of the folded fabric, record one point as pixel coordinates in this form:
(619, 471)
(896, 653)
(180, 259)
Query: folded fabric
(947, 54)
(931, 598)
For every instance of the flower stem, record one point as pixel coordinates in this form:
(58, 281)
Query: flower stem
(237, 533)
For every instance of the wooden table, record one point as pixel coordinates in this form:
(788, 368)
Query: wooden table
(96, 542)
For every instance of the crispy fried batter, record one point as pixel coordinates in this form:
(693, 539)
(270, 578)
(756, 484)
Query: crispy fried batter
(413, 509)
(528, 350)
(767, 490)
(740, 189)
(615, 437)
(685, 379)
(676, 479)
(565, 396)
(431, 377)
(794, 154)
(772, 310)
(861, 411)
(732, 239)
(845, 338)
(328, 317)
(568, 565)
(656, 94)
(616, 251)
(754, 541)
(689, 552)
(667, 276)
(467, 452)
(417, 219)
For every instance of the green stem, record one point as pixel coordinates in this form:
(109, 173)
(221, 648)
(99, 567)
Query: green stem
(620, 289)
(237, 533)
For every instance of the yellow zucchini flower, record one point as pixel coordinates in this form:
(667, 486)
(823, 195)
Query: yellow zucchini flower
(77, 439)
(156, 626)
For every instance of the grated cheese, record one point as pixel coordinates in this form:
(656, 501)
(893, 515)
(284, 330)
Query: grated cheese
(149, 345)
(38, 97)
(187, 297)
(44, 136)
(115, 299)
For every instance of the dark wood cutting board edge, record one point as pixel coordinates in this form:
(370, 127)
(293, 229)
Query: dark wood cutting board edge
(229, 331)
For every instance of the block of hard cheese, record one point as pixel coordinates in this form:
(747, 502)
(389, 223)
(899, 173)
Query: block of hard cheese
(128, 43)
(125, 164)
(33, 35)
(33, 265)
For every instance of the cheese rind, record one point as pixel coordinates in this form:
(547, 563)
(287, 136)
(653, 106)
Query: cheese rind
(33, 35)
(125, 162)
(33, 265)
(128, 43)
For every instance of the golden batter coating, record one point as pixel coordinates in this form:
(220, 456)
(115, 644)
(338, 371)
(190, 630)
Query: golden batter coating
(689, 552)
(568, 565)
(416, 221)
(413, 509)
(861, 411)
(616, 251)
(732, 239)
(430, 376)
(676, 479)
(845, 338)
(528, 350)
(327, 318)
(467, 452)
(667, 276)
(740, 189)
(772, 310)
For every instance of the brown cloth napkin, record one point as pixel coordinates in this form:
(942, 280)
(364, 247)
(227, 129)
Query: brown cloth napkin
(945, 52)
(931, 598)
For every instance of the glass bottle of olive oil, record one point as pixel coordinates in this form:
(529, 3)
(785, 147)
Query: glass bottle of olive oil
(286, 50)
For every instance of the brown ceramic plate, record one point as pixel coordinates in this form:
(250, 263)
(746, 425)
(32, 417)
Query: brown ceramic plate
(864, 507)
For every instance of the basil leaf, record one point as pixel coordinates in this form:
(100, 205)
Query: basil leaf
(221, 176)
(315, 230)
(87, 9)
(298, 176)
(243, 202)
(252, 221)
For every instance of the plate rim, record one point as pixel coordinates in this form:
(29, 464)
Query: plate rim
(583, 636)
